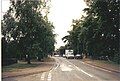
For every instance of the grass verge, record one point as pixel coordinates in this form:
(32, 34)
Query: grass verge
(24, 65)
(17, 66)
(107, 62)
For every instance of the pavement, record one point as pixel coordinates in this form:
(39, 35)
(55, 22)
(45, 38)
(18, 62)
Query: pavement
(70, 70)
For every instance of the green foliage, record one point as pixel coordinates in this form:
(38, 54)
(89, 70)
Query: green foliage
(98, 32)
(31, 32)
(61, 50)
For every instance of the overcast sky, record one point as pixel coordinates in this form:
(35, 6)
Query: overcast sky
(61, 14)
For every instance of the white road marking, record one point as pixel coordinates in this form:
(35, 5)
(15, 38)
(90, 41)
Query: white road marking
(70, 65)
(65, 68)
(80, 69)
(49, 77)
(86, 73)
(83, 71)
(57, 66)
(53, 68)
(91, 66)
(43, 76)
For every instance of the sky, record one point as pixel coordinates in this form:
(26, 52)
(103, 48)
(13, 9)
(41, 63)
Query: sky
(61, 14)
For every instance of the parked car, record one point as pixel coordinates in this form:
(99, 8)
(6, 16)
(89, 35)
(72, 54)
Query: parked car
(70, 55)
(78, 56)
(56, 55)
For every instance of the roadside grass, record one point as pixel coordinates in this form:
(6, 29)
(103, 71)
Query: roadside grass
(49, 59)
(104, 63)
(107, 62)
(18, 66)
(24, 65)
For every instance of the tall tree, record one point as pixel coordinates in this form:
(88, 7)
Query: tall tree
(33, 33)
(98, 32)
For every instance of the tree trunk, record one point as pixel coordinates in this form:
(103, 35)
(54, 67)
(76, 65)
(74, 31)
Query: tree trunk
(28, 60)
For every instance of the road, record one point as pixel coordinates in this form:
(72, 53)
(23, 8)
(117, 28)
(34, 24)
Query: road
(70, 70)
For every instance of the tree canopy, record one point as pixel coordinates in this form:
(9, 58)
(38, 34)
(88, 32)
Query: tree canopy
(25, 26)
(97, 33)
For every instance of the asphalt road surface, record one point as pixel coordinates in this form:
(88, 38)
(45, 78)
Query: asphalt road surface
(70, 70)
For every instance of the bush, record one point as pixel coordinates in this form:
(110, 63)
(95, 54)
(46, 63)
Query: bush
(117, 58)
(9, 61)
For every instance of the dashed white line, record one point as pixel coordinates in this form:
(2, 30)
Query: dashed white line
(64, 67)
(43, 76)
(49, 77)
(70, 65)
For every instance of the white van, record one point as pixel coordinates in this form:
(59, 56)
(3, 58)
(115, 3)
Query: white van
(69, 54)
